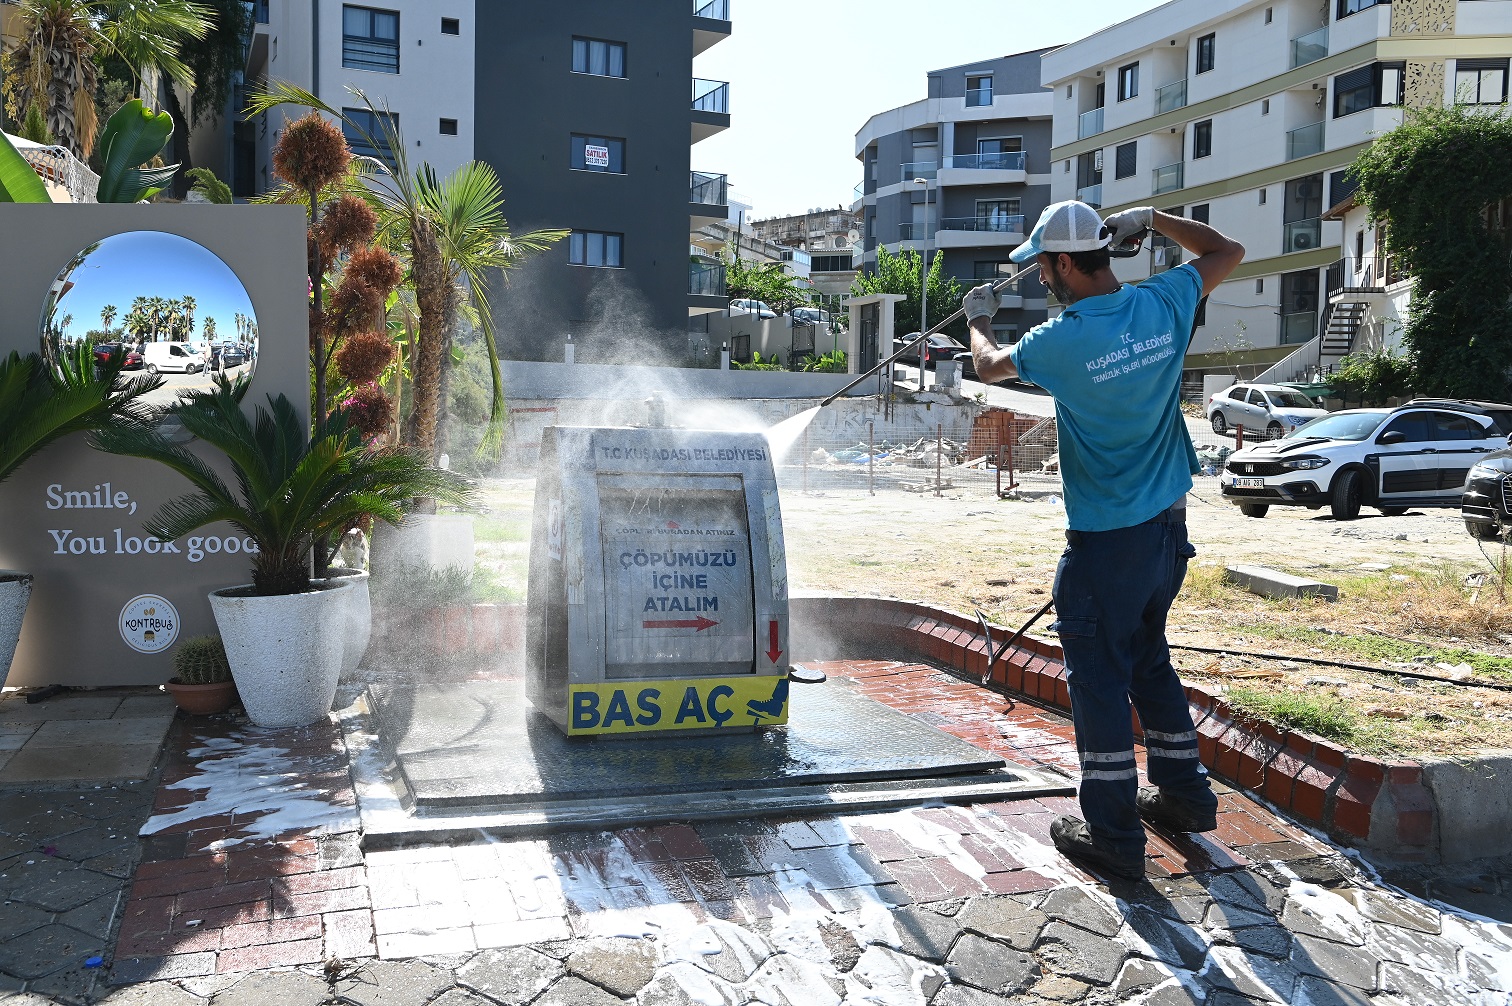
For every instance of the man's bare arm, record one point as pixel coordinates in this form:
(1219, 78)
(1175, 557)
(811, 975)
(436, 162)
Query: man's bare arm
(1217, 255)
(991, 360)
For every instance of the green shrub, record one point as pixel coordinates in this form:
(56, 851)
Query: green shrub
(201, 660)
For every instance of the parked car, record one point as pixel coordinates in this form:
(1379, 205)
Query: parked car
(103, 350)
(1415, 455)
(231, 354)
(756, 307)
(1486, 504)
(810, 316)
(172, 357)
(937, 347)
(1261, 408)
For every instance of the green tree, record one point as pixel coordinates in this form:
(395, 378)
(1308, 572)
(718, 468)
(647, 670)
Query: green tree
(1373, 377)
(900, 274)
(768, 282)
(107, 315)
(1438, 182)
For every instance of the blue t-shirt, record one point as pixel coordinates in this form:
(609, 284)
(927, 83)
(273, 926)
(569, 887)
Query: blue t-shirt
(1114, 364)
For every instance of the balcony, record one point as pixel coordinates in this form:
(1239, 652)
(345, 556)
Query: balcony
(711, 108)
(978, 97)
(1171, 97)
(1169, 178)
(1005, 168)
(711, 23)
(1302, 235)
(1304, 141)
(259, 11)
(706, 287)
(918, 169)
(990, 230)
(1089, 123)
(708, 197)
(1309, 48)
(911, 232)
(1091, 195)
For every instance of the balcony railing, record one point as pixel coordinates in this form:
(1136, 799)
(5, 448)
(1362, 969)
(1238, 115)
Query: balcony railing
(1172, 96)
(995, 223)
(718, 10)
(912, 232)
(1012, 160)
(260, 11)
(1091, 195)
(706, 280)
(1169, 178)
(976, 97)
(708, 190)
(1304, 141)
(918, 169)
(1309, 48)
(1089, 123)
(1302, 235)
(858, 193)
(1298, 327)
(711, 96)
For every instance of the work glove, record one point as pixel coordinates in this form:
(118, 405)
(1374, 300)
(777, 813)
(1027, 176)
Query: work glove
(1129, 224)
(980, 302)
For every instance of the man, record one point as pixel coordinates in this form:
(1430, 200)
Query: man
(1113, 362)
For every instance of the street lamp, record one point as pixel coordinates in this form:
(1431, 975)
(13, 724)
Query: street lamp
(924, 286)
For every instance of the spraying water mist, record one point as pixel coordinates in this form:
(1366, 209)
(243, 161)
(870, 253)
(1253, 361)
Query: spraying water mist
(785, 434)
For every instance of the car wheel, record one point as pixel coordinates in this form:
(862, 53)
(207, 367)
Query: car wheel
(1345, 498)
(1392, 511)
(1220, 424)
(1273, 431)
(152, 368)
(1254, 509)
(1482, 532)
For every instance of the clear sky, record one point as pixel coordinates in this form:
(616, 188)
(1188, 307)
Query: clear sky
(805, 75)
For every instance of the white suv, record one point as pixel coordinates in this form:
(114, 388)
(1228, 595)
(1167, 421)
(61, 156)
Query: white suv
(1415, 455)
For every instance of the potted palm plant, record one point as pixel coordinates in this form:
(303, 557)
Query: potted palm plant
(285, 634)
(42, 402)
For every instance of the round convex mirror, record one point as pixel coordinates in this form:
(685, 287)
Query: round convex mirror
(170, 305)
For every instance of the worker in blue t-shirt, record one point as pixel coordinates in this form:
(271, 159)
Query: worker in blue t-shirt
(1113, 361)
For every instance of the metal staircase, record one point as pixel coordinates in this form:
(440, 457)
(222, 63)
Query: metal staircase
(1345, 315)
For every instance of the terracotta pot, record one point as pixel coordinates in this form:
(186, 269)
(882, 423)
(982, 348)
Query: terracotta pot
(202, 700)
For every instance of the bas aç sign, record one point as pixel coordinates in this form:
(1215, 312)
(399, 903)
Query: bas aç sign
(224, 288)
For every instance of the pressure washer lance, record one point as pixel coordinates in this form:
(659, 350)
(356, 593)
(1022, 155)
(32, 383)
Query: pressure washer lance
(1124, 249)
(994, 655)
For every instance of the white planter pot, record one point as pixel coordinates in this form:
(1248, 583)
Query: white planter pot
(359, 616)
(424, 542)
(285, 650)
(15, 591)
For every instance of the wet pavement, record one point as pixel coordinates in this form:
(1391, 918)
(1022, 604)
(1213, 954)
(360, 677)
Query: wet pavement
(252, 888)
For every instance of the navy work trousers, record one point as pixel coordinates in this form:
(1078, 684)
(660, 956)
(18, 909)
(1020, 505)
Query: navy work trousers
(1112, 593)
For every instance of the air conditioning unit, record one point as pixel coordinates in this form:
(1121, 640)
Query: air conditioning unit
(1302, 240)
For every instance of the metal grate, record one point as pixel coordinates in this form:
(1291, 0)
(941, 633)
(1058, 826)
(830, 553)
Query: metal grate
(1506, 488)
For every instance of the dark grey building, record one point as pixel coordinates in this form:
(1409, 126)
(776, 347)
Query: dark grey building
(963, 173)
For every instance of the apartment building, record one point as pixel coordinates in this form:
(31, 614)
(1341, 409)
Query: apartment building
(585, 112)
(1245, 114)
(824, 243)
(959, 172)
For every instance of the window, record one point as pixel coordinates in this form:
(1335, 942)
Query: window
(370, 39)
(451, 26)
(1005, 335)
(1354, 91)
(597, 249)
(978, 91)
(1202, 139)
(1415, 426)
(1200, 212)
(598, 153)
(1264, 106)
(1348, 7)
(1268, 15)
(1480, 81)
(1260, 285)
(1262, 197)
(1069, 90)
(1004, 152)
(1205, 48)
(1128, 81)
(831, 263)
(1391, 83)
(982, 271)
(359, 121)
(448, 127)
(998, 215)
(602, 59)
(1125, 159)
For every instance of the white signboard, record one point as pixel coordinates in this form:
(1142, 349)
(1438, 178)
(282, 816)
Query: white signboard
(596, 157)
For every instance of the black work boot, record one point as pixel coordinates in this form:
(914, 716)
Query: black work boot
(1075, 841)
(1173, 813)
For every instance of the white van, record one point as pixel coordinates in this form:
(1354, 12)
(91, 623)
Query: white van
(171, 357)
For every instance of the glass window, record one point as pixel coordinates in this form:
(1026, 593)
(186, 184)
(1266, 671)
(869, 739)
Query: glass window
(597, 57)
(1128, 81)
(978, 91)
(998, 215)
(598, 153)
(1200, 212)
(1448, 426)
(1415, 425)
(1390, 83)
(1354, 91)
(1205, 48)
(1480, 81)
(451, 26)
(360, 125)
(1202, 139)
(1125, 159)
(370, 39)
(597, 249)
(1348, 7)
(448, 127)
(992, 270)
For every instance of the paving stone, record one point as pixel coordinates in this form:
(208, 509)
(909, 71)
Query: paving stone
(1059, 988)
(512, 976)
(9, 984)
(741, 951)
(1003, 918)
(1249, 974)
(46, 949)
(1226, 915)
(622, 966)
(1317, 992)
(990, 966)
(390, 983)
(1486, 973)
(155, 994)
(1249, 889)
(957, 995)
(1172, 942)
(286, 988)
(1326, 916)
(93, 840)
(572, 991)
(55, 885)
(94, 917)
(117, 863)
(1272, 941)
(843, 949)
(1176, 994)
(1191, 910)
(925, 934)
(1347, 964)
(1378, 906)
(460, 997)
(75, 985)
(1081, 908)
(1411, 986)
(1321, 870)
(1067, 950)
(16, 918)
(131, 970)
(1413, 948)
(884, 975)
(682, 984)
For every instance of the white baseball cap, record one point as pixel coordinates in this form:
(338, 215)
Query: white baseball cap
(1070, 226)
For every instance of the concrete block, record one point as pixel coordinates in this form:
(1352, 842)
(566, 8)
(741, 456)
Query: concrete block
(1269, 582)
(1474, 805)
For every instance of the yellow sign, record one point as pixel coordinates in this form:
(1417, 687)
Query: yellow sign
(677, 704)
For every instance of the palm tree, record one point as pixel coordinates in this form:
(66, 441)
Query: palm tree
(107, 315)
(208, 328)
(55, 64)
(136, 323)
(456, 238)
(189, 305)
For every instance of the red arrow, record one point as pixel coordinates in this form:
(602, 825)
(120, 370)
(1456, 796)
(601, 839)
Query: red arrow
(772, 652)
(700, 623)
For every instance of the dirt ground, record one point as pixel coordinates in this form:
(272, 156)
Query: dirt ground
(1416, 594)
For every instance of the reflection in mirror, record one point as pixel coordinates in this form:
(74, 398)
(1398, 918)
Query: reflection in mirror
(170, 305)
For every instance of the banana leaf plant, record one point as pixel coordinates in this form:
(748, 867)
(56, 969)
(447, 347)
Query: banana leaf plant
(292, 490)
(133, 136)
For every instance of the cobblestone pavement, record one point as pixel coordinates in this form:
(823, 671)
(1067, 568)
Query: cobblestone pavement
(252, 889)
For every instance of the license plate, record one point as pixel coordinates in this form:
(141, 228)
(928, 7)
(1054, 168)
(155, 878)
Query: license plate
(1249, 483)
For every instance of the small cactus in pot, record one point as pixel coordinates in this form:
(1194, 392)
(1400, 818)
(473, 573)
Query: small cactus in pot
(202, 682)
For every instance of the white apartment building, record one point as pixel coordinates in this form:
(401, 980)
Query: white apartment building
(1246, 113)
